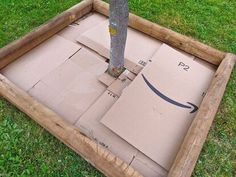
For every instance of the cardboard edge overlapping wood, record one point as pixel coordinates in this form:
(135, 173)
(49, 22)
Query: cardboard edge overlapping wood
(191, 147)
(99, 157)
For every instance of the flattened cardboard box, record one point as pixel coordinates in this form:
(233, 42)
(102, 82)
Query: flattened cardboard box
(155, 111)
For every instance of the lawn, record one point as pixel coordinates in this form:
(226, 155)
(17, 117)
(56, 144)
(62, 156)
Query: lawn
(28, 150)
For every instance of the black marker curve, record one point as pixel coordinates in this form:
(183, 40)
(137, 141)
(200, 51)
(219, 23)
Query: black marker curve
(195, 108)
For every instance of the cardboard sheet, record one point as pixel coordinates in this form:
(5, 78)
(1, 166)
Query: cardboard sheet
(90, 61)
(90, 20)
(155, 111)
(148, 167)
(45, 94)
(79, 27)
(106, 79)
(89, 124)
(139, 47)
(31, 67)
(118, 86)
(71, 88)
(127, 74)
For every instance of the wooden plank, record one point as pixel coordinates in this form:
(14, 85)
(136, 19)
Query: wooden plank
(101, 158)
(19, 47)
(168, 36)
(187, 156)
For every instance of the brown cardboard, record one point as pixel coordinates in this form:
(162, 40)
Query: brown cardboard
(83, 62)
(118, 86)
(63, 76)
(147, 167)
(80, 95)
(79, 27)
(139, 47)
(73, 86)
(69, 90)
(90, 20)
(106, 79)
(127, 74)
(153, 125)
(71, 32)
(45, 94)
(76, 81)
(31, 67)
(132, 67)
(90, 61)
(89, 124)
(206, 64)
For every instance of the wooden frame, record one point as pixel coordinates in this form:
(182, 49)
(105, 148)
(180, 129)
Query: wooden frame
(101, 158)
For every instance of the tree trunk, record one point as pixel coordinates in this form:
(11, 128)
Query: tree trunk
(119, 13)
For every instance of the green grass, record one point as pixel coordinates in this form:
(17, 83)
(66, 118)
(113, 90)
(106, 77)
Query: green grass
(28, 150)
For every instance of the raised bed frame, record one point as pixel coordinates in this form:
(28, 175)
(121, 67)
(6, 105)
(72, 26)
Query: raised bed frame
(70, 135)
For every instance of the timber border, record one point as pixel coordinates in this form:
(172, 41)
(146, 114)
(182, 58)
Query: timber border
(99, 157)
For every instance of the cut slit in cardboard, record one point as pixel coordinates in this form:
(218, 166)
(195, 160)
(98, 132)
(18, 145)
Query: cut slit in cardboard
(155, 111)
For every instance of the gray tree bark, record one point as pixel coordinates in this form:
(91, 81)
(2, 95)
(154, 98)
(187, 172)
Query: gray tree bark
(119, 14)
